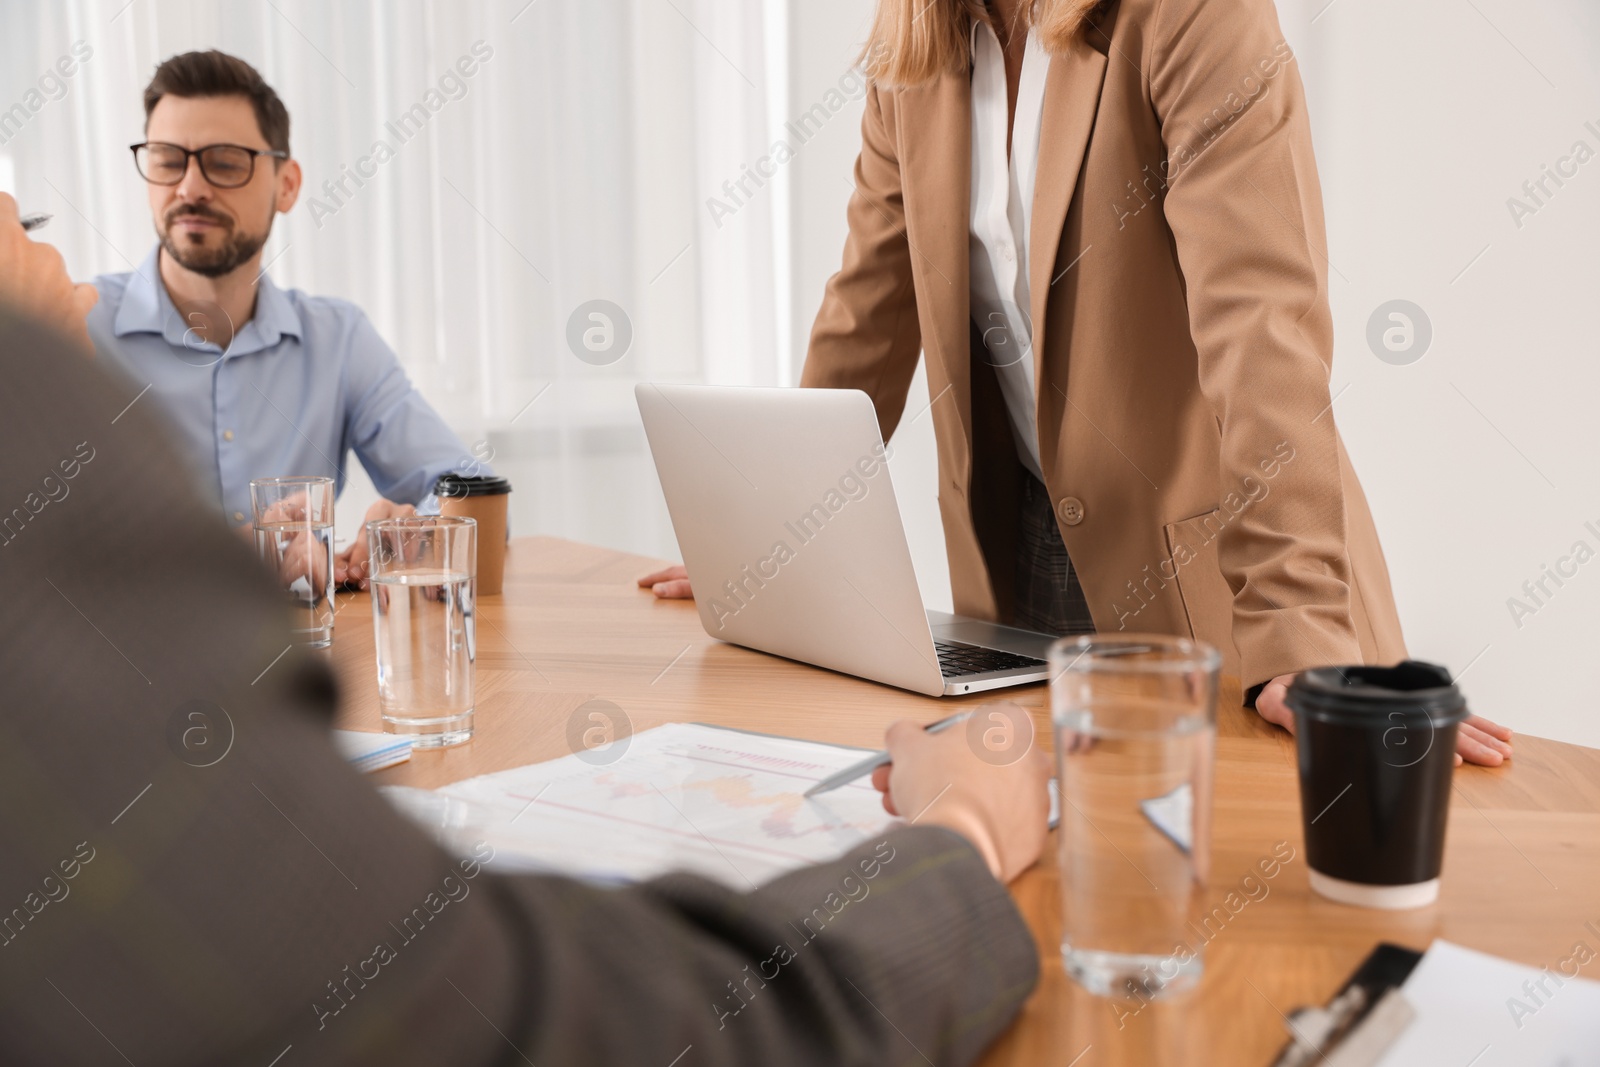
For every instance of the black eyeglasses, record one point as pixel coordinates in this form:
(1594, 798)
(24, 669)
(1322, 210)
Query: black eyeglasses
(227, 166)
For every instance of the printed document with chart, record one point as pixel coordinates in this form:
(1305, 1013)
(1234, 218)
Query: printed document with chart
(722, 803)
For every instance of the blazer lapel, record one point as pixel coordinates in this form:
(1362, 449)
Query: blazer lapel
(1071, 97)
(935, 146)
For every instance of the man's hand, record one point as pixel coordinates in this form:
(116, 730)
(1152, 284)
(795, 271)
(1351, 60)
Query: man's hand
(1478, 740)
(33, 279)
(296, 550)
(936, 779)
(351, 564)
(670, 583)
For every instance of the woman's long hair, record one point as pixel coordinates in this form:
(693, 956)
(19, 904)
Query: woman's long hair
(914, 41)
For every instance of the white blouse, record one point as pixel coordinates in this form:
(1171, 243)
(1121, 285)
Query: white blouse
(1001, 210)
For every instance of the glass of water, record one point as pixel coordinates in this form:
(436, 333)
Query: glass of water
(1135, 721)
(294, 538)
(424, 573)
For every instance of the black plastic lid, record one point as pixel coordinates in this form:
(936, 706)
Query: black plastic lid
(463, 485)
(1412, 693)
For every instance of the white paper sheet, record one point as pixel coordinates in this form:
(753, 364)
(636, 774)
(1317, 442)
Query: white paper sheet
(1173, 814)
(1481, 1010)
(369, 751)
(725, 804)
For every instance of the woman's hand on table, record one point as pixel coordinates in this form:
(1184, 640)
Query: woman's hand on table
(1478, 740)
(669, 583)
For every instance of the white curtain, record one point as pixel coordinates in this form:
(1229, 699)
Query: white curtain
(574, 164)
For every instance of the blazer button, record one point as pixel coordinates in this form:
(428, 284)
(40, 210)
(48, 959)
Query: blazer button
(1070, 510)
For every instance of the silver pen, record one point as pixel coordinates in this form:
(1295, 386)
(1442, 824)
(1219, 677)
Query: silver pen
(878, 759)
(35, 221)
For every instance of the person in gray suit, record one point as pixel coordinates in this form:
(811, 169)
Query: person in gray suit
(166, 903)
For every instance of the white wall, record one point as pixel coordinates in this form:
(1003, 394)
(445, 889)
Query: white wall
(1478, 458)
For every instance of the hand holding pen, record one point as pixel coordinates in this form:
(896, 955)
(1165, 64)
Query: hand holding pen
(934, 777)
(34, 280)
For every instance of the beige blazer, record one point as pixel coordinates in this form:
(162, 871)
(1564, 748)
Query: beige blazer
(1182, 340)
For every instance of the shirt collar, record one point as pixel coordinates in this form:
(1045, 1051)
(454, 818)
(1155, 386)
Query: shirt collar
(146, 308)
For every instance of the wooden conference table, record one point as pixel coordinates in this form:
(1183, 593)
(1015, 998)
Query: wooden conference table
(1522, 866)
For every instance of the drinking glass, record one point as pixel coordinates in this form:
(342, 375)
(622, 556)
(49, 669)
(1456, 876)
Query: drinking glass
(294, 538)
(423, 582)
(1135, 729)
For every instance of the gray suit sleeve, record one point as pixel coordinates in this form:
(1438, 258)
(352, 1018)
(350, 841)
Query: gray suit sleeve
(191, 875)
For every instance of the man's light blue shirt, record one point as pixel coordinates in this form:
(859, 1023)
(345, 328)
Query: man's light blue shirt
(305, 382)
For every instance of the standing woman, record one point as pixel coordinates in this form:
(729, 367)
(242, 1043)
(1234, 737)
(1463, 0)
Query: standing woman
(1101, 222)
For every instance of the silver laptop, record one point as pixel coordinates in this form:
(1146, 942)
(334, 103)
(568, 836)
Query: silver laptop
(786, 517)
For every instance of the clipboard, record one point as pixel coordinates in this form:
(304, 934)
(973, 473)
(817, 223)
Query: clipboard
(1361, 1021)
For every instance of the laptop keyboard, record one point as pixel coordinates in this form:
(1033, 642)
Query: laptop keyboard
(956, 659)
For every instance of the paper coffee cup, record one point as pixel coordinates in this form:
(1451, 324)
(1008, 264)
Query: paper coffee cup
(484, 499)
(1376, 752)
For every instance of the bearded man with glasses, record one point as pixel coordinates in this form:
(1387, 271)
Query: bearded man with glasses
(257, 381)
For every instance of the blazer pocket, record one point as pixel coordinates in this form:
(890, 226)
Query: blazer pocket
(1207, 600)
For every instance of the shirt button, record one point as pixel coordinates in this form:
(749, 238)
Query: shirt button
(238, 516)
(1008, 253)
(227, 435)
(1070, 510)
